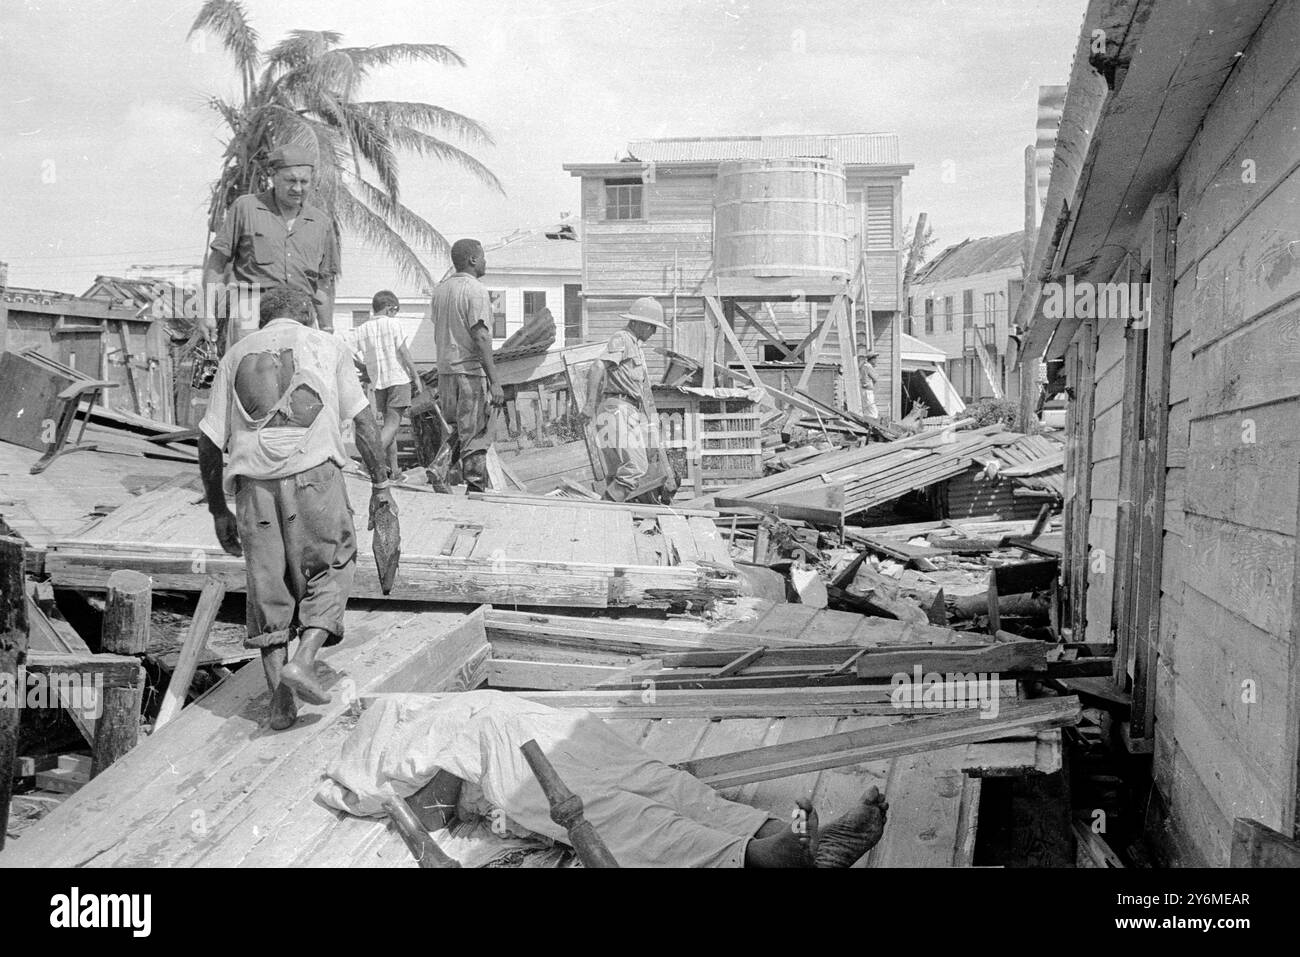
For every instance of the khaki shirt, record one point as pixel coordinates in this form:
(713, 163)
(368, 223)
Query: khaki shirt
(265, 252)
(460, 303)
(261, 449)
(625, 367)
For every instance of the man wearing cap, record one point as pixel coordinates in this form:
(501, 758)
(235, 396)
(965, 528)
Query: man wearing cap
(276, 238)
(468, 388)
(615, 387)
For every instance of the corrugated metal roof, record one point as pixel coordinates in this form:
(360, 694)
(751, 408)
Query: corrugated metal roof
(847, 148)
(972, 257)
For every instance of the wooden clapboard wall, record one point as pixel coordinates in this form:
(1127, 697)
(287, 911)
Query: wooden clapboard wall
(1232, 476)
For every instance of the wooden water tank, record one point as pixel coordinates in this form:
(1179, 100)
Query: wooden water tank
(783, 217)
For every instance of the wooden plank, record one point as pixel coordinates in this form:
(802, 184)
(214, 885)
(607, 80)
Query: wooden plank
(115, 671)
(1150, 527)
(640, 705)
(13, 647)
(1006, 658)
(925, 796)
(635, 509)
(904, 738)
(1256, 845)
(56, 636)
(196, 639)
(546, 676)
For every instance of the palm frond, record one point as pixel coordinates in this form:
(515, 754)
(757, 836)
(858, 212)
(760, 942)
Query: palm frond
(366, 58)
(417, 230)
(428, 119)
(405, 138)
(372, 143)
(371, 229)
(301, 46)
(229, 21)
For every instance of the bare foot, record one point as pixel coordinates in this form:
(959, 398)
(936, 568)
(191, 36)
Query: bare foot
(843, 842)
(303, 684)
(284, 708)
(783, 844)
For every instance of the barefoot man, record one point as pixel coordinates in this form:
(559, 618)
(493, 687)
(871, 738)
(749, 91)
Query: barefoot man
(459, 757)
(278, 401)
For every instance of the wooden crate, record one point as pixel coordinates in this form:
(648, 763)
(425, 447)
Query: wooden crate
(712, 442)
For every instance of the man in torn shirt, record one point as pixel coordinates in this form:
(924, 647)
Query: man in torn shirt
(278, 402)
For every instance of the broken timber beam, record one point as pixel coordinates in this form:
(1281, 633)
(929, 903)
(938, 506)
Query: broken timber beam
(196, 639)
(876, 744)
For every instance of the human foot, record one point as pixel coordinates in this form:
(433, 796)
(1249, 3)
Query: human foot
(303, 683)
(782, 844)
(845, 840)
(284, 708)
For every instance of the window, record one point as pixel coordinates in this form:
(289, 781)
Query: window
(990, 307)
(770, 352)
(623, 198)
(572, 313)
(967, 308)
(947, 313)
(911, 306)
(929, 316)
(359, 316)
(534, 302)
(498, 300)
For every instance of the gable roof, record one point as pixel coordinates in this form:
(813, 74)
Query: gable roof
(972, 257)
(848, 148)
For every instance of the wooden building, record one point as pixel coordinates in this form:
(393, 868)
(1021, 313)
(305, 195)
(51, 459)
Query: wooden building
(960, 302)
(648, 228)
(1176, 174)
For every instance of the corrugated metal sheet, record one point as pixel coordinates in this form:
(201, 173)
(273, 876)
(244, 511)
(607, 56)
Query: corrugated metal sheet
(847, 148)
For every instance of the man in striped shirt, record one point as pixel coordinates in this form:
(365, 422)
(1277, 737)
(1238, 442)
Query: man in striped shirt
(380, 345)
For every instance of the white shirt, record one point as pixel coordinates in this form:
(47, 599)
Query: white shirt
(375, 343)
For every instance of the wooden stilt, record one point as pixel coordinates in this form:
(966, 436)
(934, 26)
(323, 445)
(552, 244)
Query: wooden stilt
(125, 632)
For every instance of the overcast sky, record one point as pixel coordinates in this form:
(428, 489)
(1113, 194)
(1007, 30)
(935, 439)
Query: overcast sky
(107, 150)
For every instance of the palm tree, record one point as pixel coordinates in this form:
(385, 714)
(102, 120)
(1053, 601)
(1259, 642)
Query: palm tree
(302, 91)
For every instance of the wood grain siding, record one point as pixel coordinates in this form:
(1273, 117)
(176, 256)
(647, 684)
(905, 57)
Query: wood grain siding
(1233, 455)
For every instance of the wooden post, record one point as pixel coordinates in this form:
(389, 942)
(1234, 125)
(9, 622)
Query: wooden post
(196, 639)
(1151, 516)
(566, 811)
(125, 632)
(13, 648)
